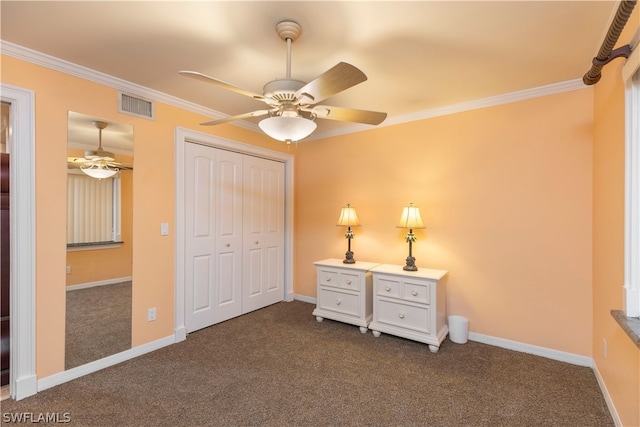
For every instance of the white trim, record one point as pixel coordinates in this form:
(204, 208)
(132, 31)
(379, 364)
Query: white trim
(98, 283)
(133, 89)
(80, 371)
(632, 63)
(631, 288)
(491, 101)
(305, 298)
(549, 353)
(182, 137)
(607, 397)
(23, 247)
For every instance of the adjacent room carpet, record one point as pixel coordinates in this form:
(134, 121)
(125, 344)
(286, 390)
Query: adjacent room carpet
(279, 367)
(98, 323)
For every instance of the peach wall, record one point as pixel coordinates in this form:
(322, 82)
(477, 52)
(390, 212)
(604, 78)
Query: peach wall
(56, 94)
(505, 193)
(620, 370)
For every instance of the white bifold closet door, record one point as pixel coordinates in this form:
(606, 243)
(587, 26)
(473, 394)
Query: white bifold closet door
(234, 224)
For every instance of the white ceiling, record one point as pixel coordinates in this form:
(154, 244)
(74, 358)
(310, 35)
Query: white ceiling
(418, 55)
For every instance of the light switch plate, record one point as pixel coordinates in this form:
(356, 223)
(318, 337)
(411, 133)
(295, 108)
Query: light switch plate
(164, 229)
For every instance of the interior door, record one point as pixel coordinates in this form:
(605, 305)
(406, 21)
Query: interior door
(263, 229)
(213, 229)
(5, 250)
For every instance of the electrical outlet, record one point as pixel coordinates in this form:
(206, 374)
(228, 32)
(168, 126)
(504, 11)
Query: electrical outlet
(604, 347)
(151, 314)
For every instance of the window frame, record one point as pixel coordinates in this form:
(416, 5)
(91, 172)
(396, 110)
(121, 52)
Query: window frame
(115, 213)
(631, 78)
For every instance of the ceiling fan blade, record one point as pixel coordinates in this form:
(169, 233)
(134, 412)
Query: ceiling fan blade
(207, 79)
(124, 166)
(348, 114)
(238, 117)
(342, 76)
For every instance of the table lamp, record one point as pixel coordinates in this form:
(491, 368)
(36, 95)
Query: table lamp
(410, 219)
(348, 218)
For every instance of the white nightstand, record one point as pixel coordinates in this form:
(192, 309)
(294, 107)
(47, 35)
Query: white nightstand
(410, 304)
(344, 292)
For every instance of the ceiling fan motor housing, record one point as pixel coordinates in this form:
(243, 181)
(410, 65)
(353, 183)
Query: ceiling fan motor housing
(282, 89)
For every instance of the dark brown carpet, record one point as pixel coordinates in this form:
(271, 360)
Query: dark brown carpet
(279, 367)
(98, 323)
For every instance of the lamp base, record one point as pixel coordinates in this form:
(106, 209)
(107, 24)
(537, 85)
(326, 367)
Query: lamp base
(411, 264)
(348, 258)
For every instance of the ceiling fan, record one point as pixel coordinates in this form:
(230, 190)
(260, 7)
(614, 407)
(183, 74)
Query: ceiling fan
(293, 104)
(98, 163)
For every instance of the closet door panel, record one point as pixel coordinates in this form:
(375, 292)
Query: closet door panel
(263, 232)
(199, 233)
(228, 235)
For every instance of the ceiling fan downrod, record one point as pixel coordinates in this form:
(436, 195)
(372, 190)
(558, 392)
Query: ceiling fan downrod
(289, 31)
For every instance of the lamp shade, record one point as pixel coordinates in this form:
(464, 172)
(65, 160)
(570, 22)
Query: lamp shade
(410, 217)
(348, 217)
(99, 171)
(285, 128)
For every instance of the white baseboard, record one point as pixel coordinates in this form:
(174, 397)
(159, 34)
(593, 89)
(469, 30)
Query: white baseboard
(80, 371)
(562, 356)
(607, 397)
(25, 387)
(549, 353)
(98, 283)
(304, 298)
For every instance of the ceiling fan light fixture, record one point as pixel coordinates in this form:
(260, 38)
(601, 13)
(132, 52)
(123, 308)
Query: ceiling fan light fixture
(285, 128)
(99, 171)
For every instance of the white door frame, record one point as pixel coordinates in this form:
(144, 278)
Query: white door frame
(23, 379)
(184, 136)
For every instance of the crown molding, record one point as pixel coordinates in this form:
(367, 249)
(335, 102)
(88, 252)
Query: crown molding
(491, 101)
(57, 64)
(76, 70)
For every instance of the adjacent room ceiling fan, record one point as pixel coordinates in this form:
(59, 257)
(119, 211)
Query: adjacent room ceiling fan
(293, 104)
(98, 163)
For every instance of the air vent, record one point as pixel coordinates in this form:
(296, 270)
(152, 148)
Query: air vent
(135, 106)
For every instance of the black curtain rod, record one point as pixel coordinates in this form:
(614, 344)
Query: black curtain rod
(606, 53)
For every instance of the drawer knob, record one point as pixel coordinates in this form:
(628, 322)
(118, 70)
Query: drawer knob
(328, 279)
(338, 302)
(348, 282)
(257, 242)
(228, 245)
(387, 288)
(414, 293)
(401, 315)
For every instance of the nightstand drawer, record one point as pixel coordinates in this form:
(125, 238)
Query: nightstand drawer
(328, 277)
(403, 315)
(387, 286)
(417, 292)
(340, 302)
(349, 281)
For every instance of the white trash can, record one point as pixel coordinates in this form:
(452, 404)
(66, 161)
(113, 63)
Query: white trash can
(458, 329)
